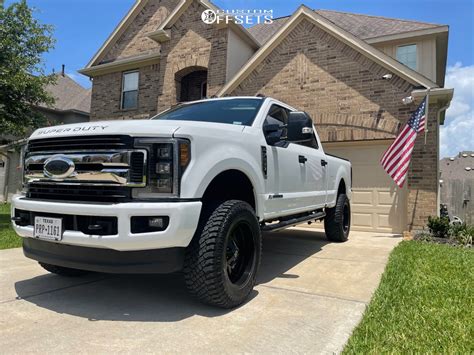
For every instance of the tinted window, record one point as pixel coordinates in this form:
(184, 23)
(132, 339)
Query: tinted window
(277, 115)
(232, 111)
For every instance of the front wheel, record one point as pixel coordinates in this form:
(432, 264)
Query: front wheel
(222, 260)
(337, 222)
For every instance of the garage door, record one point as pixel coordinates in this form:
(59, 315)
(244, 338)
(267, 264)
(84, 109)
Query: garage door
(377, 203)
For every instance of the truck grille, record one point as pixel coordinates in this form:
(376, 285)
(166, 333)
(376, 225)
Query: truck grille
(80, 143)
(102, 168)
(83, 193)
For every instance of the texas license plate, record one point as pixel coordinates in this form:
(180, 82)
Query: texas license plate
(48, 228)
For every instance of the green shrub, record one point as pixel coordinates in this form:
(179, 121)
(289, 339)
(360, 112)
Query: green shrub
(462, 234)
(438, 226)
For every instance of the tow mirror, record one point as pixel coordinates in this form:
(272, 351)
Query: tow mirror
(274, 133)
(300, 127)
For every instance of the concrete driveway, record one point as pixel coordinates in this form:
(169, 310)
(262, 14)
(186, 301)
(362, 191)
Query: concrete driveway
(311, 294)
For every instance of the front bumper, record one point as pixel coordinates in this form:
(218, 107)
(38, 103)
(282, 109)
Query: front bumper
(183, 221)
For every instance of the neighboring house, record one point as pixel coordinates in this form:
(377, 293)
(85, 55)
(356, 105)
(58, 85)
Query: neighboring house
(457, 185)
(349, 72)
(72, 105)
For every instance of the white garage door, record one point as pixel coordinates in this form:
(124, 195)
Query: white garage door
(377, 203)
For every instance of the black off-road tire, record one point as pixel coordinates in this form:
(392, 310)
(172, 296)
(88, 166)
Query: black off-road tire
(227, 243)
(337, 222)
(63, 271)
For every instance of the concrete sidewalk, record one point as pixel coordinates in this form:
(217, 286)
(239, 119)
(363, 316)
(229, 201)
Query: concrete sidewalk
(311, 295)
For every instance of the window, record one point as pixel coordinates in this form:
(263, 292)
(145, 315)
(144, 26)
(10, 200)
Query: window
(407, 55)
(277, 115)
(130, 90)
(230, 111)
(204, 90)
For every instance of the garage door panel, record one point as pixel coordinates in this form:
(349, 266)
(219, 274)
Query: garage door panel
(362, 197)
(363, 220)
(377, 203)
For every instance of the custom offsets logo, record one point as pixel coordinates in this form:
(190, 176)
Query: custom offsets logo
(240, 17)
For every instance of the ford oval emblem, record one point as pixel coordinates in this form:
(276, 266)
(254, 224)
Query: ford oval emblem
(58, 167)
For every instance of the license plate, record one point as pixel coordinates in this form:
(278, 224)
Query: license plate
(48, 228)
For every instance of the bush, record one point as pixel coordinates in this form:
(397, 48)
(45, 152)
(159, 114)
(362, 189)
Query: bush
(462, 234)
(439, 226)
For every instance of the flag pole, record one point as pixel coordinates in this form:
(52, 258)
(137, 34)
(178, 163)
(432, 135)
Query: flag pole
(427, 112)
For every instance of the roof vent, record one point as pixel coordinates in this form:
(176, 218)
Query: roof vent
(452, 159)
(467, 168)
(472, 155)
(464, 155)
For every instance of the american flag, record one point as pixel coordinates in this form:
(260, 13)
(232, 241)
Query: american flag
(396, 159)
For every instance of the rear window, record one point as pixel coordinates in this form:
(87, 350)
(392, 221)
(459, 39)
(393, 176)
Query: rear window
(232, 111)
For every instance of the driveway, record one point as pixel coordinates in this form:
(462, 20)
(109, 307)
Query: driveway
(311, 294)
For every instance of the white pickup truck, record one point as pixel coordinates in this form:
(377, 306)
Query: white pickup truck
(190, 189)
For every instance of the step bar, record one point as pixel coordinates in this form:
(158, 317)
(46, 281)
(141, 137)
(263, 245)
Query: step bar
(290, 222)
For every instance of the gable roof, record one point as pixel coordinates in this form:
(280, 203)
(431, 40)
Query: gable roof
(69, 95)
(362, 26)
(348, 38)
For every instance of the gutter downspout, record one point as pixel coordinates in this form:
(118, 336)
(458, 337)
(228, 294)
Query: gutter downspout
(438, 193)
(7, 174)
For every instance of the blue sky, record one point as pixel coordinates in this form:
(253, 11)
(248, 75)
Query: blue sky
(81, 26)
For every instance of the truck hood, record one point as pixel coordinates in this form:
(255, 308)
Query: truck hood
(138, 128)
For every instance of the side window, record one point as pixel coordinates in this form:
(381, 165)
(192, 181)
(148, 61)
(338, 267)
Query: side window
(276, 115)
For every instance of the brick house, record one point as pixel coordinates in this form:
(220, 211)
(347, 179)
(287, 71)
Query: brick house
(349, 71)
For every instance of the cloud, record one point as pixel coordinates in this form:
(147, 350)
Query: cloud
(457, 134)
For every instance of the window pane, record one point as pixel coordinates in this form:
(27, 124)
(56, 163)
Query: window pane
(130, 99)
(407, 55)
(130, 81)
(231, 111)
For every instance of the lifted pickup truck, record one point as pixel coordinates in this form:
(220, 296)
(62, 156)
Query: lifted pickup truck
(190, 189)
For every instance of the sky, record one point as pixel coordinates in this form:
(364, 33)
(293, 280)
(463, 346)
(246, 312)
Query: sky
(82, 26)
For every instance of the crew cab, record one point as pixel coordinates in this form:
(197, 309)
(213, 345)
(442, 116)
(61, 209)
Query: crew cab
(191, 189)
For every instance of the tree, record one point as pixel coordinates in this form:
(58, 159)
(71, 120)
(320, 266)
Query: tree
(23, 41)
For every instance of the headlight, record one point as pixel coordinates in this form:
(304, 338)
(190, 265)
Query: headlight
(168, 159)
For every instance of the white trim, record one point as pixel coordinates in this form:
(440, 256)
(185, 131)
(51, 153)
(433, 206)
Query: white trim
(408, 34)
(304, 12)
(121, 64)
(136, 8)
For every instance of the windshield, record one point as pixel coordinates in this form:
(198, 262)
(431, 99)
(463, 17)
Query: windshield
(231, 111)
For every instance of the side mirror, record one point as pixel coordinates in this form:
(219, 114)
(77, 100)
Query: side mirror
(300, 127)
(274, 133)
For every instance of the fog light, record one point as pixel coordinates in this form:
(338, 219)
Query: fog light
(156, 222)
(147, 224)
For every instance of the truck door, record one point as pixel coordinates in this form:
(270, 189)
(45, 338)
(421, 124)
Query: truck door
(286, 182)
(314, 166)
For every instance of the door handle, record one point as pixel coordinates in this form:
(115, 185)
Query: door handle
(302, 159)
(324, 162)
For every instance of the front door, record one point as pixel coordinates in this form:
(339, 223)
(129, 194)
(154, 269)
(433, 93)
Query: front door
(287, 177)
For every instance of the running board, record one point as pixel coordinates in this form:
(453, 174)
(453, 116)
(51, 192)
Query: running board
(292, 222)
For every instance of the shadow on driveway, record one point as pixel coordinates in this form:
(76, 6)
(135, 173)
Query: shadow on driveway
(158, 298)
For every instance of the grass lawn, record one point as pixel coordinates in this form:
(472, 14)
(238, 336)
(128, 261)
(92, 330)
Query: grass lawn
(424, 303)
(8, 238)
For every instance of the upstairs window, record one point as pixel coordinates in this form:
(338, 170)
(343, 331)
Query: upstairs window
(407, 55)
(130, 90)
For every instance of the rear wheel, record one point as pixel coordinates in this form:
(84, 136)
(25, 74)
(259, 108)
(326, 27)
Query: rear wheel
(63, 271)
(222, 260)
(337, 222)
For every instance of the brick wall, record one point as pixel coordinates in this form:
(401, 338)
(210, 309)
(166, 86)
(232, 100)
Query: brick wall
(423, 177)
(134, 40)
(106, 91)
(340, 88)
(193, 44)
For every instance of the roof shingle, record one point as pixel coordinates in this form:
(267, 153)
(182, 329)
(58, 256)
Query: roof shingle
(69, 95)
(362, 26)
